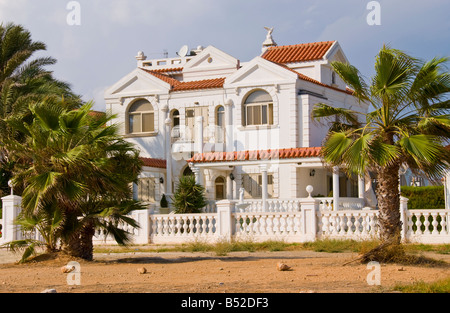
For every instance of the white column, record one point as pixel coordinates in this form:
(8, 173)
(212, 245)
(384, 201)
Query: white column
(447, 190)
(263, 169)
(229, 188)
(335, 188)
(228, 125)
(168, 130)
(11, 207)
(361, 187)
(199, 135)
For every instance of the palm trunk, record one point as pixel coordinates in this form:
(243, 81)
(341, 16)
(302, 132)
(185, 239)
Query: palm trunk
(79, 244)
(87, 247)
(388, 197)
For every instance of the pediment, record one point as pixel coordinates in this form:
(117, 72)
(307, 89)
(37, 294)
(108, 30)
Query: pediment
(211, 58)
(260, 71)
(137, 83)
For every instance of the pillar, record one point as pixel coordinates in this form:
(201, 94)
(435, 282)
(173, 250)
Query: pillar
(335, 188)
(224, 219)
(229, 187)
(263, 169)
(199, 134)
(447, 190)
(361, 185)
(12, 206)
(168, 130)
(228, 125)
(309, 206)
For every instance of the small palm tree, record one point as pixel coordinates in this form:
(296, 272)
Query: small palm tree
(189, 197)
(78, 166)
(409, 125)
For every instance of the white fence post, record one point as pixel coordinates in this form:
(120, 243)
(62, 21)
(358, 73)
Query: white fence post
(12, 206)
(309, 207)
(224, 219)
(142, 234)
(404, 216)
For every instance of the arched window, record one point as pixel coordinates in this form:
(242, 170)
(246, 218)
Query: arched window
(220, 188)
(258, 109)
(187, 171)
(220, 116)
(141, 117)
(175, 118)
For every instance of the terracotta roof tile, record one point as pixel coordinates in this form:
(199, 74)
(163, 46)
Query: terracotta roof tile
(272, 154)
(156, 163)
(192, 85)
(199, 84)
(298, 53)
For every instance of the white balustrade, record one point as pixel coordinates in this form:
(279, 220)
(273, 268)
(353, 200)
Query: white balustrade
(273, 205)
(326, 203)
(351, 224)
(428, 226)
(166, 228)
(261, 226)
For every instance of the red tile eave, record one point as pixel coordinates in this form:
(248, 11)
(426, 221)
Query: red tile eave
(254, 155)
(155, 163)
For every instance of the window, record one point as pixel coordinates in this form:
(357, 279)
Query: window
(220, 116)
(252, 184)
(141, 117)
(258, 109)
(146, 189)
(333, 78)
(175, 118)
(220, 188)
(176, 131)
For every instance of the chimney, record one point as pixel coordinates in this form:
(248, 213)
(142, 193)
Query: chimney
(140, 58)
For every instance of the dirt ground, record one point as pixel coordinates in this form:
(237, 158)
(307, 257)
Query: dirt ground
(237, 272)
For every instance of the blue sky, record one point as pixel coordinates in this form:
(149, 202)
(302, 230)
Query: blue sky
(100, 51)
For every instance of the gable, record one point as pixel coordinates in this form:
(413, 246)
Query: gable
(137, 83)
(211, 61)
(260, 72)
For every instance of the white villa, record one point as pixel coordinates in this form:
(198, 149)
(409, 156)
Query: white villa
(244, 129)
(235, 124)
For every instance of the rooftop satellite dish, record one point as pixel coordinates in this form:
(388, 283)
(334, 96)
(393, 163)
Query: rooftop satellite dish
(183, 51)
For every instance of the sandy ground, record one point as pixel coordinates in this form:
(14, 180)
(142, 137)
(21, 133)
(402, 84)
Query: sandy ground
(238, 272)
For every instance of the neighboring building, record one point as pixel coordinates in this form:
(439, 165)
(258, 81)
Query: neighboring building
(232, 124)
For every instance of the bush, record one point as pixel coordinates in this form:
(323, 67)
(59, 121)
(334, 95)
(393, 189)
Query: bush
(189, 196)
(429, 197)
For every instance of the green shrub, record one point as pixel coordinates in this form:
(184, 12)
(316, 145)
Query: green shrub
(429, 197)
(189, 196)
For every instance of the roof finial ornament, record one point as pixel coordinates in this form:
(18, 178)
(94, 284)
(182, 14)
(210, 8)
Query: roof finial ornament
(269, 42)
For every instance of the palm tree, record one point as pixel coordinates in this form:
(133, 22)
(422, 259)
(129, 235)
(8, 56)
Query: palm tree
(21, 81)
(409, 125)
(77, 165)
